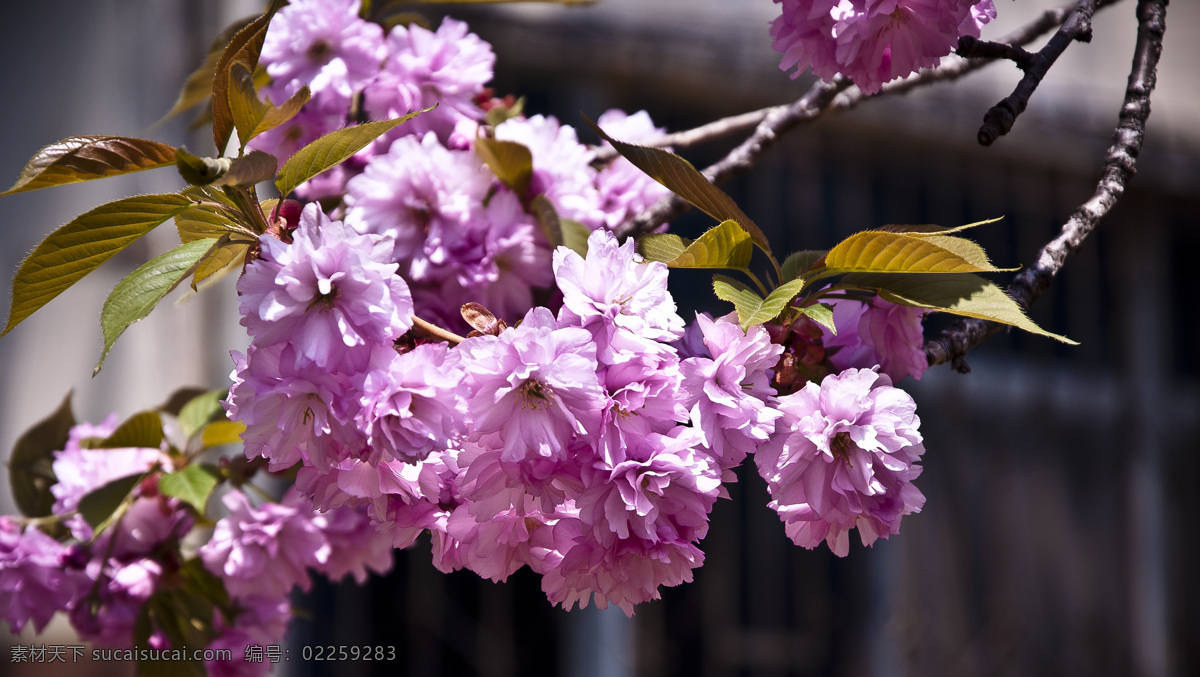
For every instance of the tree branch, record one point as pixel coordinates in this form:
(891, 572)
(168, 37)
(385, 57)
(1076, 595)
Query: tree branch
(771, 123)
(1000, 118)
(1120, 164)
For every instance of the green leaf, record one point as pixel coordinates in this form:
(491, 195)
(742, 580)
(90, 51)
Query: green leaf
(218, 433)
(79, 247)
(744, 299)
(252, 116)
(192, 485)
(136, 295)
(510, 161)
(752, 308)
(83, 158)
(178, 399)
(575, 236)
(30, 468)
(243, 48)
(502, 112)
(799, 262)
(99, 505)
(822, 314)
(724, 246)
(331, 150)
(206, 222)
(143, 429)
(200, 411)
(876, 251)
(957, 293)
(661, 246)
(186, 620)
(547, 219)
(687, 182)
(200, 582)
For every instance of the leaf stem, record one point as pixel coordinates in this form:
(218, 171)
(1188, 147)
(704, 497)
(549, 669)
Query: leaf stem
(756, 281)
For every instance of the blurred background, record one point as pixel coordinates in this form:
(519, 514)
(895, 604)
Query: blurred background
(1058, 537)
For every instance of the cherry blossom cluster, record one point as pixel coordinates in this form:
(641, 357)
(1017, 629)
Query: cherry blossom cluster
(584, 430)
(103, 580)
(873, 41)
(459, 234)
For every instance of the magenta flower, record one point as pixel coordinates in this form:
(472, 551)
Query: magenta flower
(730, 397)
(265, 550)
(578, 570)
(614, 288)
(878, 333)
(873, 41)
(844, 455)
(355, 545)
(325, 45)
(411, 405)
(259, 620)
(106, 613)
(448, 67)
(331, 293)
(35, 580)
(422, 195)
(663, 492)
(533, 386)
(293, 410)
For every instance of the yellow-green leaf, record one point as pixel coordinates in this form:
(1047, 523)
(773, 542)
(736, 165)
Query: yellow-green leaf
(876, 251)
(575, 236)
(510, 161)
(206, 222)
(223, 257)
(822, 314)
(724, 246)
(547, 219)
(136, 295)
(200, 411)
(957, 293)
(253, 116)
(332, 149)
(930, 229)
(687, 182)
(83, 158)
(30, 468)
(222, 432)
(79, 247)
(752, 308)
(661, 246)
(193, 484)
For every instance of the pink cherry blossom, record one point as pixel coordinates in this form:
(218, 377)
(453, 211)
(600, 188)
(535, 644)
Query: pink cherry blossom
(843, 456)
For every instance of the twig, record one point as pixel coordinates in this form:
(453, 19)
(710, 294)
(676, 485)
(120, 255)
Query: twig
(1000, 118)
(434, 330)
(1120, 164)
(822, 97)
